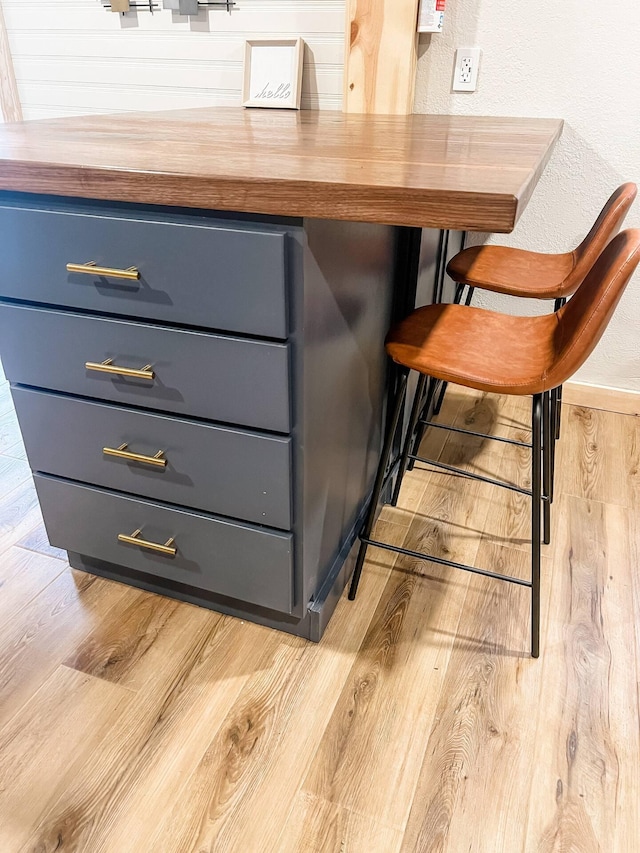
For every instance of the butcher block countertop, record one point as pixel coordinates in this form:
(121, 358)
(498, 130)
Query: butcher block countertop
(432, 171)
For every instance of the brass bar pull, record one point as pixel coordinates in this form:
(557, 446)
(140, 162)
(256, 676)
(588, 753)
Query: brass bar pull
(107, 366)
(168, 548)
(122, 453)
(91, 268)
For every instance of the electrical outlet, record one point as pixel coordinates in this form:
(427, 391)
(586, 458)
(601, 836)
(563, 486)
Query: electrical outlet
(465, 72)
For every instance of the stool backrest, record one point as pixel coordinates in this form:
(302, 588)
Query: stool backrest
(582, 321)
(604, 230)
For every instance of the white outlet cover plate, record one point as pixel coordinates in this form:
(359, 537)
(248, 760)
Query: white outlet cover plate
(467, 66)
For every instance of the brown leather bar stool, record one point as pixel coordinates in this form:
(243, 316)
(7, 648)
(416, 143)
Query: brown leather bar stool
(534, 275)
(504, 354)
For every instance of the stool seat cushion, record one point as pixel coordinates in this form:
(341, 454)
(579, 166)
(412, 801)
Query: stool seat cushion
(477, 348)
(515, 272)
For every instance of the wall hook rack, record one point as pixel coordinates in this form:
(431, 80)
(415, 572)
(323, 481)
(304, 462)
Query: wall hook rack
(192, 7)
(226, 4)
(124, 6)
(183, 7)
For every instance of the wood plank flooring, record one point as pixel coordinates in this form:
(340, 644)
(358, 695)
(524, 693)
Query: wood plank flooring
(130, 723)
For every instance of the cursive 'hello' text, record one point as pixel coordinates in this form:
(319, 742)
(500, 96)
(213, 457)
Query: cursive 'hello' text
(282, 93)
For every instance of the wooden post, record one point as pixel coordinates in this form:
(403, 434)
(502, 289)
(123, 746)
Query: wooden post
(381, 56)
(9, 98)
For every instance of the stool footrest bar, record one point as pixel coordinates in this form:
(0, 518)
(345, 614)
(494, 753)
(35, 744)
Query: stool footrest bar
(429, 423)
(470, 475)
(442, 562)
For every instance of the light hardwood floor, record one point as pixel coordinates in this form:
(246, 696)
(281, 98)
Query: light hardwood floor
(130, 723)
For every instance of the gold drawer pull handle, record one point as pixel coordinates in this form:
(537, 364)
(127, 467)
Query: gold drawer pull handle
(107, 366)
(168, 548)
(122, 453)
(91, 268)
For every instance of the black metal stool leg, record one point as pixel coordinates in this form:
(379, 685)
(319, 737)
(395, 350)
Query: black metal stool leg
(441, 265)
(536, 500)
(558, 410)
(408, 442)
(456, 301)
(432, 384)
(548, 440)
(558, 304)
(458, 294)
(379, 481)
(554, 420)
(438, 405)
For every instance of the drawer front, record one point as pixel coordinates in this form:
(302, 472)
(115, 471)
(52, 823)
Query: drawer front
(209, 376)
(224, 471)
(199, 274)
(212, 554)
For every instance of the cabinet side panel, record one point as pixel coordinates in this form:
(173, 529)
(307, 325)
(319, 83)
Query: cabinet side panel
(341, 319)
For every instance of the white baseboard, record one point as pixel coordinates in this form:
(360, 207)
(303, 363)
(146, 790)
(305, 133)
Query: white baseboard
(601, 397)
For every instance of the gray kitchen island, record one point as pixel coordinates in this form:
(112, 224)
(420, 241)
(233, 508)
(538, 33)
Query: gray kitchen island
(192, 316)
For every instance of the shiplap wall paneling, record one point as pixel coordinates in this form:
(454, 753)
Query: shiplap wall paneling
(72, 57)
(10, 109)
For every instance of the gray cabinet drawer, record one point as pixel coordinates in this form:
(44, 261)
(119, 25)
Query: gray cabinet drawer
(234, 560)
(225, 471)
(192, 272)
(195, 373)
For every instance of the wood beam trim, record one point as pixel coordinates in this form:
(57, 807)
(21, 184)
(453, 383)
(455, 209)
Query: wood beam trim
(9, 98)
(381, 56)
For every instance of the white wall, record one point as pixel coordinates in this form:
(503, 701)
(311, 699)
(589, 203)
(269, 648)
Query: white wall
(73, 57)
(573, 59)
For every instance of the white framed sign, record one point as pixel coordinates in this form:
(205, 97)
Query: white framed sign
(273, 73)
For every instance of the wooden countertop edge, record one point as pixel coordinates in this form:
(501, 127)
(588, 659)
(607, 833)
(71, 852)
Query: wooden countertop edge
(529, 186)
(427, 208)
